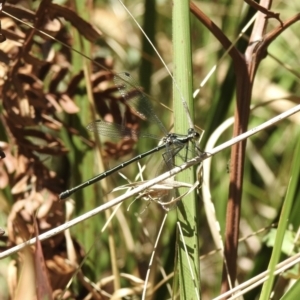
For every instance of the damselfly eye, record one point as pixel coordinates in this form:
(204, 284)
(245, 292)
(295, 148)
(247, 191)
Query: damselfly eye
(192, 132)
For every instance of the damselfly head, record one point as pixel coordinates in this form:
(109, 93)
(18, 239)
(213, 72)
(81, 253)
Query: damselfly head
(195, 135)
(192, 133)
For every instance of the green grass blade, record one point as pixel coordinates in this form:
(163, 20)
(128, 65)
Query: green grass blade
(82, 161)
(293, 292)
(283, 223)
(187, 209)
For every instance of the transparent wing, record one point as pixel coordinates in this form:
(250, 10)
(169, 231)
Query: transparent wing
(183, 152)
(117, 131)
(113, 130)
(136, 99)
(171, 152)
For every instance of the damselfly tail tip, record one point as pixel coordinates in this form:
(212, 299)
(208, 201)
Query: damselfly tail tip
(64, 195)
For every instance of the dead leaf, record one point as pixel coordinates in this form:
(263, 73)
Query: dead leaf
(43, 288)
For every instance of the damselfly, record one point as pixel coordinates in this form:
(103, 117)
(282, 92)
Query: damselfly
(173, 143)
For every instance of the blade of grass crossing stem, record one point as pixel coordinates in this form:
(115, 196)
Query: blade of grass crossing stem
(186, 210)
(283, 222)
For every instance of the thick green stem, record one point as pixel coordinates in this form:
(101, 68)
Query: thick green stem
(189, 279)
